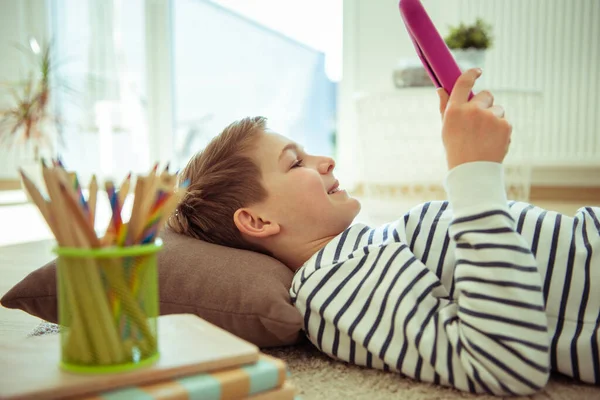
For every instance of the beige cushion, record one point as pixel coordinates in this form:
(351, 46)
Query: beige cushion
(244, 292)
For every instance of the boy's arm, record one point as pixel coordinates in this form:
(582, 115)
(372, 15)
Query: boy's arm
(500, 326)
(382, 307)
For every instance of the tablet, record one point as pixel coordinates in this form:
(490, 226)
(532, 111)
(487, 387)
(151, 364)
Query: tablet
(431, 48)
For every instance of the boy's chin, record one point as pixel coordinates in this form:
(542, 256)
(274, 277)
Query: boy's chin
(357, 205)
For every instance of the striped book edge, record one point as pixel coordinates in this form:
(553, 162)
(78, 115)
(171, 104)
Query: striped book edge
(286, 392)
(247, 381)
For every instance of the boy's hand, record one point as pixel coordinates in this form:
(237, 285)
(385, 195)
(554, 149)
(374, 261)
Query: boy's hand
(472, 130)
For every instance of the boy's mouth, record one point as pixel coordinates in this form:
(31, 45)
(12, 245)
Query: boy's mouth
(335, 188)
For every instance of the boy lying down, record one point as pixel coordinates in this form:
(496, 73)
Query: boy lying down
(477, 293)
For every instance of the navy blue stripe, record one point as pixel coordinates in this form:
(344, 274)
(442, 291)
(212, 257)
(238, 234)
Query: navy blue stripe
(396, 236)
(584, 299)
(332, 297)
(532, 345)
(471, 385)
(552, 257)
(500, 300)
(592, 214)
(497, 264)
(449, 366)
(503, 366)
(365, 307)
(418, 228)
(489, 231)
(538, 367)
(442, 259)
(370, 241)
(481, 382)
(564, 299)
(352, 352)
(522, 217)
(340, 246)
(481, 246)
(432, 232)
(536, 232)
(317, 267)
(594, 344)
(359, 237)
(388, 339)
(485, 214)
(451, 320)
(450, 351)
(500, 283)
(411, 314)
(350, 300)
(316, 290)
(529, 325)
(371, 332)
(319, 258)
(459, 348)
(433, 359)
(419, 336)
(535, 346)
(385, 232)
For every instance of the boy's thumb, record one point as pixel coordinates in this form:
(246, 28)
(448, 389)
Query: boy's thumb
(441, 92)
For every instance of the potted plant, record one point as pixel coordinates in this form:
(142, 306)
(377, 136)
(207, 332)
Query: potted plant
(468, 43)
(28, 125)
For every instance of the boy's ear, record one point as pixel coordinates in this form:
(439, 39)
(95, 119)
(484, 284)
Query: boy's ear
(251, 224)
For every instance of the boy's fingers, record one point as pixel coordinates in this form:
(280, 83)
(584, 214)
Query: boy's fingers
(483, 99)
(463, 86)
(443, 95)
(498, 111)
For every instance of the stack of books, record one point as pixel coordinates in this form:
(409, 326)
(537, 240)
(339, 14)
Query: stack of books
(197, 361)
(262, 380)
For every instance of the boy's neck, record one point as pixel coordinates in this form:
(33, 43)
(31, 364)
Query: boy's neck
(295, 257)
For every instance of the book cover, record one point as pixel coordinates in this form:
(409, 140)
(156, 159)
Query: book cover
(263, 377)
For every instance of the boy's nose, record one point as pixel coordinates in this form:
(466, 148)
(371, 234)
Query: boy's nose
(327, 166)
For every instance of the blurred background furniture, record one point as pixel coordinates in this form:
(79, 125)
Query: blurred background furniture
(401, 151)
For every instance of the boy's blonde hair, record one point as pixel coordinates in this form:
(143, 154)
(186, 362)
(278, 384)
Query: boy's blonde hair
(222, 178)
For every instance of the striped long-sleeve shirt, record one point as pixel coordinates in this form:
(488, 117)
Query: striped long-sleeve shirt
(477, 293)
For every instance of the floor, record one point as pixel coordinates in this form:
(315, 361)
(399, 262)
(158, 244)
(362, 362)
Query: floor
(26, 244)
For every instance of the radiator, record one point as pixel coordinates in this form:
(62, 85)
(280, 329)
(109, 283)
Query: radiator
(546, 46)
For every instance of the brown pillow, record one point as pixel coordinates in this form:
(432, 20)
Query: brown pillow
(243, 292)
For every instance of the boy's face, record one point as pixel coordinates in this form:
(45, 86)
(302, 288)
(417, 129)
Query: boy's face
(304, 198)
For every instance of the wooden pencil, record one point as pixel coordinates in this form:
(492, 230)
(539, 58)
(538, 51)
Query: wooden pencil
(92, 196)
(124, 190)
(136, 214)
(40, 202)
(80, 219)
(85, 280)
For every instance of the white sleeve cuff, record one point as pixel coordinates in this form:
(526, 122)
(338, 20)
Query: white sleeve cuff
(476, 186)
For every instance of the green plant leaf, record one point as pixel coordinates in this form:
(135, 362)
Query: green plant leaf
(477, 35)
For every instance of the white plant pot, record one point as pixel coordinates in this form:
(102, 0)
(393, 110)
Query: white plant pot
(469, 58)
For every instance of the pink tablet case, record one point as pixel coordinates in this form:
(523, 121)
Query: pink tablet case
(430, 47)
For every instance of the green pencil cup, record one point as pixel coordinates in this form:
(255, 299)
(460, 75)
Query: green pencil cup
(108, 307)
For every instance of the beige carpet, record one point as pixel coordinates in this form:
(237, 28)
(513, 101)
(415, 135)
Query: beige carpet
(319, 377)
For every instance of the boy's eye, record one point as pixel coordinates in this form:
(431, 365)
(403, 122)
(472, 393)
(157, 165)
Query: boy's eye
(297, 163)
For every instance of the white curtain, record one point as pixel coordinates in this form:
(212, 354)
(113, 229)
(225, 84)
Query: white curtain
(106, 130)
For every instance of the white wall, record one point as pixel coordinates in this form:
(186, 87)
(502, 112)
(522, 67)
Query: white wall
(375, 40)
